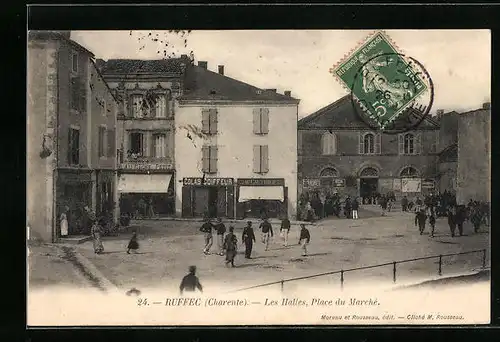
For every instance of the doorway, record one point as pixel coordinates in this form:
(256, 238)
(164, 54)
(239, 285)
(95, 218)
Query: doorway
(368, 188)
(213, 196)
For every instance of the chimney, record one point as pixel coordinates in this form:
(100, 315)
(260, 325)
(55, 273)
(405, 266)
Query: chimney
(288, 93)
(100, 63)
(203, 64)
(271, 90)
(184, 56)
(487, 105)
(221, 69)
(439, 113)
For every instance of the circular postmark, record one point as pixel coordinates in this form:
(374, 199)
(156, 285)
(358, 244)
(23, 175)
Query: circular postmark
(391, 92)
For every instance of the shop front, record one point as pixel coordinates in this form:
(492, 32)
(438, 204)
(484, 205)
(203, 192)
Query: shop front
(212, 197)
(104, 192)
(261, 197)
(74, 191)
(146, 195)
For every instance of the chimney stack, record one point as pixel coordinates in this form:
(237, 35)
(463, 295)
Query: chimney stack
(288, 93)
(100, 63)
(221, 69)
(271, 90)
(203, 64)
(439, 112)
(487, 105)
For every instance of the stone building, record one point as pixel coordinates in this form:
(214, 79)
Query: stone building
(71, 117)
(474, 156)
(338, 152)
(446, 177)
(235, 148)
(146, 90)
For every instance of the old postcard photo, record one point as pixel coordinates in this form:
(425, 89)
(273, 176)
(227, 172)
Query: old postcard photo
(271, 177)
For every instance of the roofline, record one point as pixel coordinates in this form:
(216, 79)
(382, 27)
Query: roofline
(106, 83)
(187, 102)
(315, 114)
(357, 128)
(62, 37)
(447, 148)
(475, 111)
(141, 75)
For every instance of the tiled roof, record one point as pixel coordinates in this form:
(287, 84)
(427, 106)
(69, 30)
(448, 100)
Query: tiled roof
(203, 84)
(128, 66)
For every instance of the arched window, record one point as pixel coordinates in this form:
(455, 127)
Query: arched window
(369, 143)
(409, 147)
(409, 172)
(329, 143)
(327, 177)
(369, 172)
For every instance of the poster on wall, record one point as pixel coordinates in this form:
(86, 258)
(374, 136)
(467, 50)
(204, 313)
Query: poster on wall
(411, 185)
(385, 185)
(396, 184)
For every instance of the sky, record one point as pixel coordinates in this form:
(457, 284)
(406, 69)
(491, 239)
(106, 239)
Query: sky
(458, 61)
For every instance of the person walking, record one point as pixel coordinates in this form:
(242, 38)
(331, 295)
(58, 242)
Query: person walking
(248, 238)
(355, 208)
(190, 282)
(460, 217)
(220, 229)
(432, 222)
(476, 219)
(420, 219)
(451, 221)
(267, 232)
(404, 203)
(230, 245)
(285, 230)
(304, 238)
(133, 244)
(64, 222)
(96, 232)
(206, 229)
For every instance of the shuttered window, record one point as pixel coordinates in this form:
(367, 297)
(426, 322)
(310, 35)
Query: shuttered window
(260, 159)
(136, 106)
(209, 159)
(112, 153)
(160, 107)
(410, 144)
(78, 97)
(160, 145)
(209, 121)
(102, 142)
(370, 143)
(73, 146)
(261, 120)
(136, 142)
(329, 143)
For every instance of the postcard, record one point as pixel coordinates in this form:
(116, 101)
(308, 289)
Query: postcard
(270, 177)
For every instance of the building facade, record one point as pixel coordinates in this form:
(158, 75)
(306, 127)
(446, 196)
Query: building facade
(146, 90)
(66, 168)
(474, 156)
(448, 151)
(235, 148)
(338, 152)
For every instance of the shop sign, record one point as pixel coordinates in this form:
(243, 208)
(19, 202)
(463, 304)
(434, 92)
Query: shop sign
(428, 184)
(261, 182)
(208, 181)
(311, 182)
(146, 166)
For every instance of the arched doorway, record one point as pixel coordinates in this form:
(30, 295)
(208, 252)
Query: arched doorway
(368, 185)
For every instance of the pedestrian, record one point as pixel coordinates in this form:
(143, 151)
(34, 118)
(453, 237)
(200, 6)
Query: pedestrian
(248, 238)
(404, 203)
(90, 218)
(460, 217)
(64, 222)
(355, 208)
(304, 238)
(420, 218)
(230, 245)
(206, 229)
(347, 207)
(285, 230)
(432, 222)
(267, 232)
(133, 244)
(220, 229)
(451, 221)
(96, 232)
(190, 282)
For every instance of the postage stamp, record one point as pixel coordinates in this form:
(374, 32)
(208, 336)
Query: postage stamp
(381, 79)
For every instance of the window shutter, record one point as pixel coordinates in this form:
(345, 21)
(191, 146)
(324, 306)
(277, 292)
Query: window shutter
(213, 158)
(256, 158)
(401, 144)
(70, 146)
(264, 155)
(154, 146)
(76, 145)
(205, 159)
(360, 143)
(82, 95)
(213, 121)
(265, 120)
(144, 145)
(205, 120)
(256, 121)
(418, 143)
(378, 143)
(111, 143)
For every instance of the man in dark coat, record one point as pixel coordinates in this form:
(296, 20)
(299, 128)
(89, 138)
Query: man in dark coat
(432, 222)
(267, 232)
(420, 218)
(248, 238)
(230, 245)
(206, 229)
(404, 203)
(355, 208)
(476, 219)
(347, 207)
(220, 229)
(451, 220)
(190, 282)
(460, 217)
(285, 230)
(304, 238)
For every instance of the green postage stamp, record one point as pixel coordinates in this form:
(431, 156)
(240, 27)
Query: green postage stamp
(381, 79)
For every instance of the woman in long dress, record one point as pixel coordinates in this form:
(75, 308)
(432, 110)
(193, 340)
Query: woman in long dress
(96, 235)
(64, 222)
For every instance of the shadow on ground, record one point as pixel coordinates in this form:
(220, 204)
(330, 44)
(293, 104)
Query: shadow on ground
(481, 276)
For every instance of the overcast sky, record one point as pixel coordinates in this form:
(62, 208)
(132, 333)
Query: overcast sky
(458, 61)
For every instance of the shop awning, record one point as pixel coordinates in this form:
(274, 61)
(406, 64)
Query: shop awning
(143, 183)
(261, 193)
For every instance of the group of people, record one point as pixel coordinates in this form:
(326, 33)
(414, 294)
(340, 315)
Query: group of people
(333, 205)
(227, 244)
